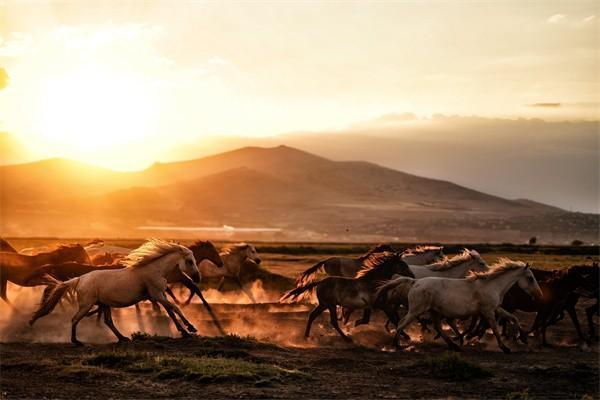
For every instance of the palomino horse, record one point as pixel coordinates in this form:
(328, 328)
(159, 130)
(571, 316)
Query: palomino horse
(351, 293)
(349, 267)
(19, 268)
(477, 294)
(144, 278)
(234, 256)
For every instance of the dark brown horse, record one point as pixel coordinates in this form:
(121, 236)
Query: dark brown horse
(5, 246)
(351, 293)
(340, 266)
(564, 291)
(20, 269)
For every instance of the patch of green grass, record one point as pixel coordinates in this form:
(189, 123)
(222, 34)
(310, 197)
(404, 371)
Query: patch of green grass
(202, 369)
(451, 366)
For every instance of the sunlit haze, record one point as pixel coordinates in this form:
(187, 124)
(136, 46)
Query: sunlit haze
(92, 81)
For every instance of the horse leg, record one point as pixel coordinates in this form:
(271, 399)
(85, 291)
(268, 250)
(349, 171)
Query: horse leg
(590, 312)
(511, 317)
(408, 318)
(195, 290)
(311, 317)
(3, 286)
(246, 291)
(187, 323)
(365, 318)
(221, 283)
(346, 314)
(83, 310)
(437, 324)
(334, 322)
(162, 300)
(109, 322)
(172, 295)
(491, 319)
(469, 330)
(573, 314)
(452, 324)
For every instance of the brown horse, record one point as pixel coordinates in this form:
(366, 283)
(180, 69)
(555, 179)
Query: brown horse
(561, 293)
(340, 266)
(19, 268)
(5, 246)
(351, 293)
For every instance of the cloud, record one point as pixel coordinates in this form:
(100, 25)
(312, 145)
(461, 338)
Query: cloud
(588, 19)
(556, 18)
(545, 105)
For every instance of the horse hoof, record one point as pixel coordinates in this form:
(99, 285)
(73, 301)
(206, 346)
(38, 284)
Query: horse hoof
(124, 340)
(192, 328)
(77, 343)
(506, 350)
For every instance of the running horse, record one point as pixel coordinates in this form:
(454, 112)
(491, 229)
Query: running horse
(20, 269)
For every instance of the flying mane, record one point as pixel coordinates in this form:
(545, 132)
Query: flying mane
(150, 251)
(457, 260)
(380, 248)
(234, 248)
(421, 249)
(503, 265)
(376, 262)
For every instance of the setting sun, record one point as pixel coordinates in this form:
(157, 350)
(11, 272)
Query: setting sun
(93, 109)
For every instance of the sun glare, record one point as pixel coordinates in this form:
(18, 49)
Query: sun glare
(95, 113)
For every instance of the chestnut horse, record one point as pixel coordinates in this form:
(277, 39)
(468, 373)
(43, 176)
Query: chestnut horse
(20, 268)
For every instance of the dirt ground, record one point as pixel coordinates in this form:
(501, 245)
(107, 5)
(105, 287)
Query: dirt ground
(269, 358)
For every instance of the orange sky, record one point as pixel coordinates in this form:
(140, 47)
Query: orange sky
(94, 81)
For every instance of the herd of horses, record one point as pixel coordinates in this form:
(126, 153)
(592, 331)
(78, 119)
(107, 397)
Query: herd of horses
(420, 284)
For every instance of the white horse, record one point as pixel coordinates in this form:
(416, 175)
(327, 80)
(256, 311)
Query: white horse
(234, 257)
(144, 278)
(455, 267)
(478, 294)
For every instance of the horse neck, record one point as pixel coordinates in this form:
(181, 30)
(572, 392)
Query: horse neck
(460, 270)
(165, 265)
(503, 282)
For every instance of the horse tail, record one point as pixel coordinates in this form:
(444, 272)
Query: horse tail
(299, 292)
(403, 284)
(52, 295)
(309, 274)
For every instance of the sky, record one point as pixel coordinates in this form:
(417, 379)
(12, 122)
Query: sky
(94, 81)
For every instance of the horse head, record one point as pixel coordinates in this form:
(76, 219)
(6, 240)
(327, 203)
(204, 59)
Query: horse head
(206, 250)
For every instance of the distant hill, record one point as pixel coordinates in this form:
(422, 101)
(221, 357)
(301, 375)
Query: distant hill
(306, 196)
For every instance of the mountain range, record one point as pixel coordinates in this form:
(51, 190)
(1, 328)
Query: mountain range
(297, 195)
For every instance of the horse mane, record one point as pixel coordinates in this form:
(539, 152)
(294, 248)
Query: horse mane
(503, 265)
(422, 249)
(68, 246)
(380, 248)
(150, 251)
(455, 261)
(234, 248)
(375, 262)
